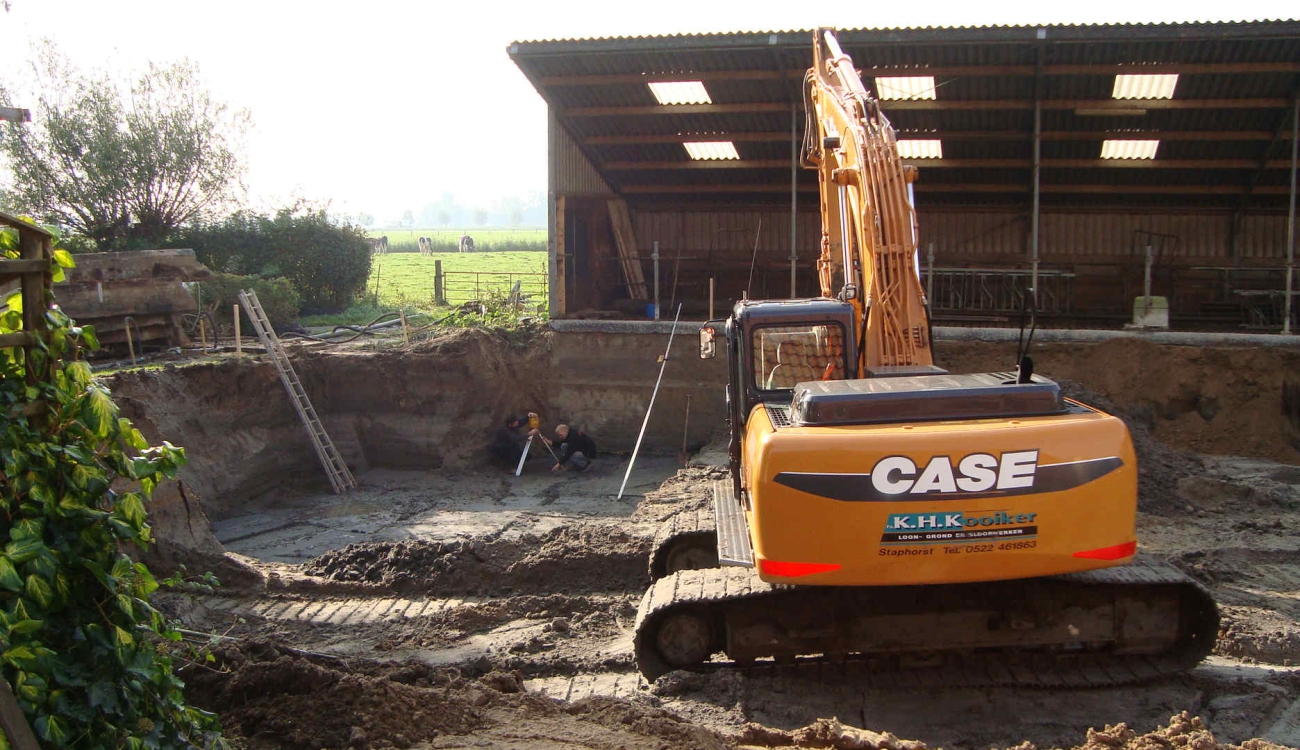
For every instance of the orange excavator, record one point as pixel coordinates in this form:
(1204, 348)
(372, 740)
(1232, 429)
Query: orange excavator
(881, 508)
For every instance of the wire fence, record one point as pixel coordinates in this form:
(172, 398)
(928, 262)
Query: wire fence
(463, 286)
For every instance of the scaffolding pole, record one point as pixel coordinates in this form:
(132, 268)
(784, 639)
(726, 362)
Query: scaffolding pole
(1290, 214)
(794, 195)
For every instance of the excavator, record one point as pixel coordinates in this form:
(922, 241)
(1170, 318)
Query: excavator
(881, 508)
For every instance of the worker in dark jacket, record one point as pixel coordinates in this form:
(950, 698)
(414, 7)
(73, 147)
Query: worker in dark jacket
(508, 443)
(577, 449)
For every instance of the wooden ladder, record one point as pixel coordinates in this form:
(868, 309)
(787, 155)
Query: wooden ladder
(335, 468)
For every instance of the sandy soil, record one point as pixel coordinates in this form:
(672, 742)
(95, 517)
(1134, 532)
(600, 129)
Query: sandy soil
(449, 606)
(479, 600)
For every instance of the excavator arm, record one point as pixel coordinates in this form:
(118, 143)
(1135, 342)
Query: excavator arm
(868, 222)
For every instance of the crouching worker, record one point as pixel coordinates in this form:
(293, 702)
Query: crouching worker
(576, 449)
(508, 443)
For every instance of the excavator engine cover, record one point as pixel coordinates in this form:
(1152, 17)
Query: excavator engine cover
(923, 398)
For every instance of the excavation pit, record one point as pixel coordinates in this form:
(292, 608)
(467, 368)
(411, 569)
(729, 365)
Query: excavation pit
(437, 562)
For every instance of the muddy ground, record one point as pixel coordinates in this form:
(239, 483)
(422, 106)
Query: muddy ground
(461, 607)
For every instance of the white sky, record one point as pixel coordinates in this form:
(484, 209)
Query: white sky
(381, 105)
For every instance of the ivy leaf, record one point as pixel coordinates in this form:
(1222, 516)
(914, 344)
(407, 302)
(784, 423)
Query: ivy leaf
(24, 549)
(64, 258)
(9, 579)
(23, 627)
(79, 371)
(98, 411)
(52, 730)
(132, 508)
(89, 338)
(38, 589)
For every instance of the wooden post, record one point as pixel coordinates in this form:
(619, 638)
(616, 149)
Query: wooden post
(406, 332)
(203, 335)
(130, 346)
(15, 725)
(710, 298)
(239, 343)
(439, 284)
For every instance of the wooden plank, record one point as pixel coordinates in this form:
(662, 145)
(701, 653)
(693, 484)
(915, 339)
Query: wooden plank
(21, 338)
(10, 269)
(17, 223)
(625, 239)
(14, 723)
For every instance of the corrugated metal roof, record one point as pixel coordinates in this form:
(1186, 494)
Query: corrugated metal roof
(1236, 81)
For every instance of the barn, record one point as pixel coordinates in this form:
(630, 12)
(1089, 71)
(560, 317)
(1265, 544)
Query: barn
(1089, 157)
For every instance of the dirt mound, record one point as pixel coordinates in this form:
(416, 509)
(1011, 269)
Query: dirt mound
(272, 697)
(1160, 467)
(1254, 634)
(279, 698)
(568, 560)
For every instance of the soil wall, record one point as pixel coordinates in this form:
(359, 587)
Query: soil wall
(435, 405)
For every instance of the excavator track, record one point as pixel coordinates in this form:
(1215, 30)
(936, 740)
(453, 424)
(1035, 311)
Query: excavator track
(686, 541)
(1113, 626)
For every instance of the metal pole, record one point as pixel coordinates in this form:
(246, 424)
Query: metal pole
(794, 197)
(1146, 289)
(1033, 220)
(710, 298)
(929, 277)
(1290, 214)
(126, 323)
(663, 366)
(239, 342)
(655, 256)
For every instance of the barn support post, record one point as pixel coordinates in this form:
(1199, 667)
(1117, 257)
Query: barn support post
(1290, 213)
(794, 196)
(1038, 152)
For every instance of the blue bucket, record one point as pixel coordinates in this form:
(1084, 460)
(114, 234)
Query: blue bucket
(650, 311)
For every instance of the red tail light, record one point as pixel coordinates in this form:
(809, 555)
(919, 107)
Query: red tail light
(1127, 549)
(794, 569)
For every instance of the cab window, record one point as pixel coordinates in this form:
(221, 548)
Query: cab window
(786, 355)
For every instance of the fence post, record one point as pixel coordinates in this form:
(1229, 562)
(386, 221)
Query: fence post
(439, 284)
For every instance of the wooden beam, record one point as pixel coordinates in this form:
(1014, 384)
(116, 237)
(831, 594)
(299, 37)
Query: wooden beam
(675, 109)
(21, 338)
(1101, 106)
(10, 269)
(938, 71)
(695, 164)
(924, 187)
(713, 164)
(947, 135)
(639, 140)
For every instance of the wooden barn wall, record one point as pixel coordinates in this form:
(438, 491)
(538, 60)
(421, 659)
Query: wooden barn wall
(1066, 238)
(964, 237)
(574, 174)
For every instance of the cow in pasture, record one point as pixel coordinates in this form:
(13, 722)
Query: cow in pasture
(380, 245)
(426, 246)
(466, 243)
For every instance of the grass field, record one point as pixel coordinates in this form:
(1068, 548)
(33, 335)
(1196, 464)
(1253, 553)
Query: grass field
(407, 278)
(406, 240)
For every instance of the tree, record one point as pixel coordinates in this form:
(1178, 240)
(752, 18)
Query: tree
(408, 218)
(444, 217)
(124, 171)
(327, 263)
(480, 217)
